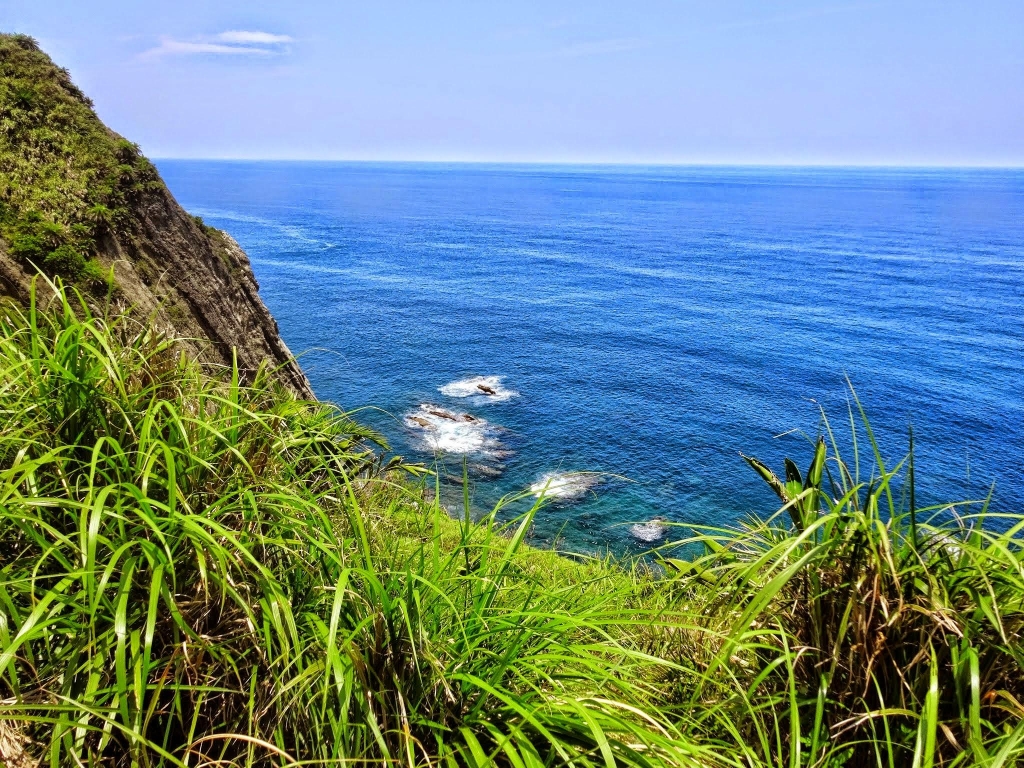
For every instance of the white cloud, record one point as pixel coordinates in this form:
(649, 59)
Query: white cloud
(253, 38)
(601, 47)
(229, 43)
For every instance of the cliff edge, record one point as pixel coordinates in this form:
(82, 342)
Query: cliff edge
(80, 202)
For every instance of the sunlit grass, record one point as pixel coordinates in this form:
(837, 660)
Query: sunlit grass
(854, 627)
(194, 571)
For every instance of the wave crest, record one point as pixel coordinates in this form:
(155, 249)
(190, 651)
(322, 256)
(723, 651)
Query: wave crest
(652, 530)
(486, 388)
(445, 431)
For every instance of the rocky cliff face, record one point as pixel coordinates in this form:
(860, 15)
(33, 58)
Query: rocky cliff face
(192, 280)
(77, 200)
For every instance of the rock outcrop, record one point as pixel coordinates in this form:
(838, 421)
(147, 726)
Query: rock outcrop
(196, 282)
(167, 265)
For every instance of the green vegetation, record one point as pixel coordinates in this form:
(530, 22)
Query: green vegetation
(65, 179)
(856, 628)
(196, 572)
(203, 225)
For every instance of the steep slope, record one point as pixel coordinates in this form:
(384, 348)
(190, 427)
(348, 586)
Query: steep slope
(80, 202)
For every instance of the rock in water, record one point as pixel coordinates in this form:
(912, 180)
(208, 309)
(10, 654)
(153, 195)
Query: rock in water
(450, 432)
(484, 389)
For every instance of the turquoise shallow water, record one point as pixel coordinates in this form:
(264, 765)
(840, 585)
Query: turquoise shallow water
(654, 322)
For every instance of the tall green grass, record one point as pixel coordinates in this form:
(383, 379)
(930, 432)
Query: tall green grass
(197, 571)
(854, 627)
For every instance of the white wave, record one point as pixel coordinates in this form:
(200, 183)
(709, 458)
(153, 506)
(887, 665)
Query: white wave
(449, 246)
(487, 388)
(445, 431)
(565, 486)
(288, 230)
(652, 530)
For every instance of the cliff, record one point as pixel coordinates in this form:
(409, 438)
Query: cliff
(80, 202)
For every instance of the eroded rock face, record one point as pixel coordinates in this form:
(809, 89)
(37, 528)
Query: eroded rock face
(211, 289)
(196, 281)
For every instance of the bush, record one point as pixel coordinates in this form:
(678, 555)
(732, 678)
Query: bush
(29, 248)
(97, 279)
(65, 261)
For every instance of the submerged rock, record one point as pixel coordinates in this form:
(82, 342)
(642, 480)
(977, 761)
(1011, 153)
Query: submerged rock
(565, 486)
(653, 530)
(487, 470)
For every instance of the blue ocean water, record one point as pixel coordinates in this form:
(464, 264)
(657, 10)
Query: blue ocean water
(654, 322)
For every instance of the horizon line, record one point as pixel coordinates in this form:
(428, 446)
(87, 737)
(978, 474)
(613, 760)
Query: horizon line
(1010, 166)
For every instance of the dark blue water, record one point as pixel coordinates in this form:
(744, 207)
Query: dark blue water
(654, 321)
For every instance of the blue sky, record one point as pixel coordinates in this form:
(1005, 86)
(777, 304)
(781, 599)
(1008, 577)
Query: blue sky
(726, 81)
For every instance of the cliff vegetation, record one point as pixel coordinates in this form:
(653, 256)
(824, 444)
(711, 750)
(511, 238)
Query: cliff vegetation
(80, 202)
(65, 179)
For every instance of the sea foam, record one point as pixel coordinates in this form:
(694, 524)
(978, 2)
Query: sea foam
(565, 486)
(445, 431)
(485, 388)
(652, 530)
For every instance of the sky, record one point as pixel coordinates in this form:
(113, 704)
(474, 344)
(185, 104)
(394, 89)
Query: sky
(901, 82)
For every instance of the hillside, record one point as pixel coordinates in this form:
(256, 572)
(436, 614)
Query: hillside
(81, 202)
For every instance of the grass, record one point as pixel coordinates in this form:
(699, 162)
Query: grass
(196, 572)
(858, 628)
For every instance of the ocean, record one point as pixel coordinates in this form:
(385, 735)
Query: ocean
(619, 335)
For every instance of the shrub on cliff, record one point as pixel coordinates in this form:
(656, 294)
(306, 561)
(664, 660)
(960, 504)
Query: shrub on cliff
(64, 177)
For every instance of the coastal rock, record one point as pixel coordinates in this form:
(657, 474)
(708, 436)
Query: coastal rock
(442, 414)
(450, 432)
(482, 389)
